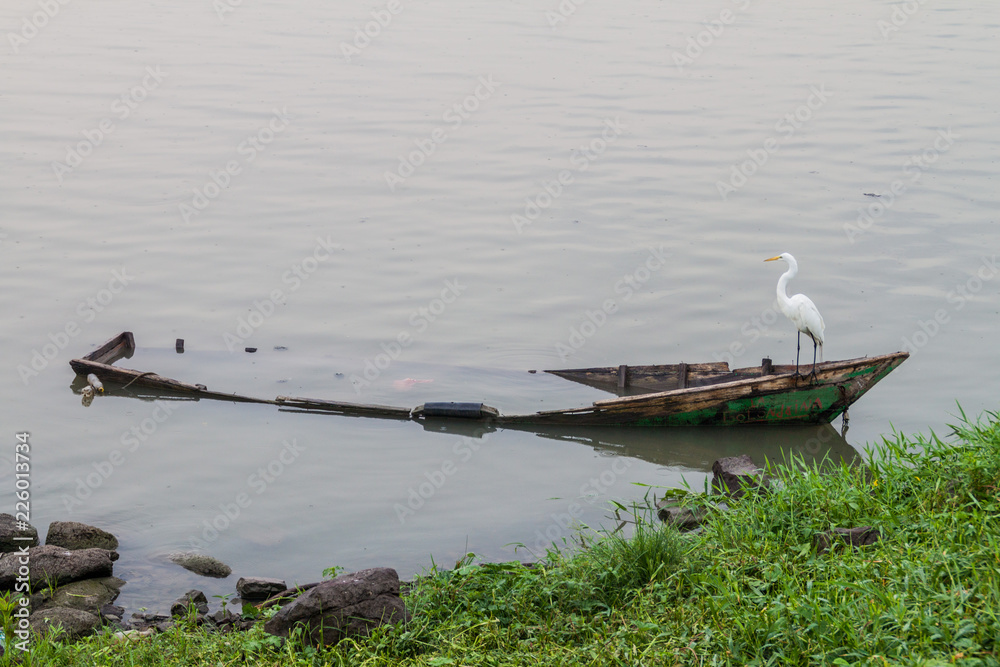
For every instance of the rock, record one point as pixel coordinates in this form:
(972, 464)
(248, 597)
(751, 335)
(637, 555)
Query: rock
(222, 617)
(9, 530)
(259, 588)
(76, 535)
(132, 635)
(68, 623)
(192, 597)
(112, 613)
(735, 475)
(86, 595)
(52, 565)
(350, 605)
(856, 537)
(682, 518)
(145, 620)
(201, 564)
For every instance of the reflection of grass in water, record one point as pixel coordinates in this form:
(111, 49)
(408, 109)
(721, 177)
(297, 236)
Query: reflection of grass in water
(751, 588)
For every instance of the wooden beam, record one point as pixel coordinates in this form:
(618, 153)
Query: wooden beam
(682, 375)
(339, 407)
(122, 345)
(622, 377)
(766, 367)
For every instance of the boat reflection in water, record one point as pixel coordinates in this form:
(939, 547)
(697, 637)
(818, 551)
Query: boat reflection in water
(697, 448)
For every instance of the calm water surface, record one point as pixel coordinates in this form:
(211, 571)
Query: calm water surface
(499, 186)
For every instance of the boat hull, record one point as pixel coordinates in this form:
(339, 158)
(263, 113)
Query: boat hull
(784, 398)
(707, 394)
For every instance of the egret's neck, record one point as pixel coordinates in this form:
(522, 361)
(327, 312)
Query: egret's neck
(782, 285)
(793, 268)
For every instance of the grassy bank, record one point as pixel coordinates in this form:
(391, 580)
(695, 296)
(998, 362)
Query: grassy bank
(750, 589)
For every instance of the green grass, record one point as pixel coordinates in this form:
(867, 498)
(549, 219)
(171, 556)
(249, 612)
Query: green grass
(750, 589)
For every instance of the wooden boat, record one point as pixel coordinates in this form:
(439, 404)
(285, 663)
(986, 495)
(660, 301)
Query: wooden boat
(711, 394)
(665, 395)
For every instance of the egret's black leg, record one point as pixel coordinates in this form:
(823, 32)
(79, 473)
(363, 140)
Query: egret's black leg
(798, 346)
(814, 360)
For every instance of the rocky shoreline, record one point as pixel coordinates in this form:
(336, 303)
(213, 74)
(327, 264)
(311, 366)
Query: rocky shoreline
(67, 586)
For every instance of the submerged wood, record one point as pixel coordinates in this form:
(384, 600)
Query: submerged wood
(341, 408)
(665, 395)
(121, 346)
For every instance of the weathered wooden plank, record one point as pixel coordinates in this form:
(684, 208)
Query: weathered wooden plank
(646, 379)
(122, 345)
(340, 407)
(128, 377)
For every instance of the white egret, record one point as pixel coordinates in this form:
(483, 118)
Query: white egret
(800, 310)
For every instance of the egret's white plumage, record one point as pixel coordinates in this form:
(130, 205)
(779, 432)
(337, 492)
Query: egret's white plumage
(800, 310)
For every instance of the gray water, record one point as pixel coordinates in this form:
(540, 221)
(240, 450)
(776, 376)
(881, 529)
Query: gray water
(472, 191)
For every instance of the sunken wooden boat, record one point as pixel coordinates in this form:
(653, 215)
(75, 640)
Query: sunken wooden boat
(665, 395)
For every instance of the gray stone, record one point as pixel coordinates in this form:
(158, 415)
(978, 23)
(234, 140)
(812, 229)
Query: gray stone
(862, 536)
(9, 530)
(54, 566)
(350, 605)
(66, 623)
(682, 518)
(201, 564)
(86, 595)
(144, 620)
(183, 603)
(736, 475)
(222, 617)
(76, 535)
(112, 613)
(259, 588)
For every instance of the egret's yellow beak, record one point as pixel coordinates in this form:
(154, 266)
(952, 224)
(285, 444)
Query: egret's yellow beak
(771, 259)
